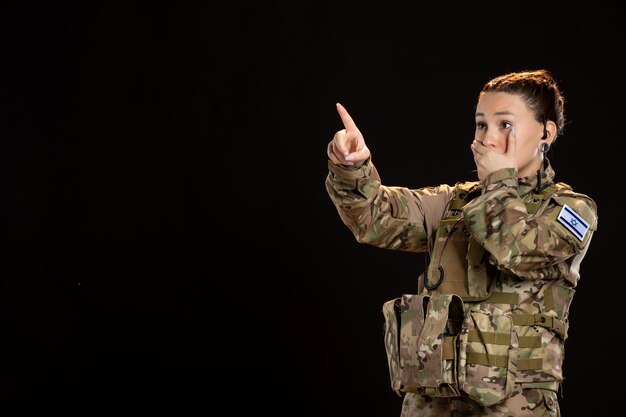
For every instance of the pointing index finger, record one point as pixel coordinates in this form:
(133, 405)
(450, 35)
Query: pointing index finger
(348, 123)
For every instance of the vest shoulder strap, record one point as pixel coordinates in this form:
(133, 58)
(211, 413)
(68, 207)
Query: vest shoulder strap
(462, 190)
(544, 195)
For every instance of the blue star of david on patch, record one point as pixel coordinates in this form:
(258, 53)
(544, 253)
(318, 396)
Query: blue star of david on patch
(573, 222)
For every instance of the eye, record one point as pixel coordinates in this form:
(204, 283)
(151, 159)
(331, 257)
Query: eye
(506, 125)
(480, 126)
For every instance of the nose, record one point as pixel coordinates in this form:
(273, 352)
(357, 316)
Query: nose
(490, 140)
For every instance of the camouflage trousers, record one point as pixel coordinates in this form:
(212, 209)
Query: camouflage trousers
(522, 403)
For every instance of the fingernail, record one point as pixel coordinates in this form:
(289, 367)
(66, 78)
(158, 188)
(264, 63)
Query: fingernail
(349, 157)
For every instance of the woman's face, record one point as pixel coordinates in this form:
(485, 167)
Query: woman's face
(496, 114)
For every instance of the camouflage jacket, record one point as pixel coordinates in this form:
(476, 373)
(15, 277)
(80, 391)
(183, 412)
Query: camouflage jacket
(518, 265)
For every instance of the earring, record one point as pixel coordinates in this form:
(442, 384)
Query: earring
(545, 147)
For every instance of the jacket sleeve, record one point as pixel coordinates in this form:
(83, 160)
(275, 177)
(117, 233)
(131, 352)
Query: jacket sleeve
(387, 217)
(545, 245)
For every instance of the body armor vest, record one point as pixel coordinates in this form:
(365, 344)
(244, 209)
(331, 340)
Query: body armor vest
(459, 336)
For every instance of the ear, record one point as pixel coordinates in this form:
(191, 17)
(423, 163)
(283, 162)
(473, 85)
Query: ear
(551, 130)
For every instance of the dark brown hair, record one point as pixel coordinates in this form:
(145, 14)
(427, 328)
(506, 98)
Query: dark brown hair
(539, 91)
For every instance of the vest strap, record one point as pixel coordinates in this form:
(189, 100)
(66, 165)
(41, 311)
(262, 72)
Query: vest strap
(529, 341)
(543, 320)
(449, 348)
(491, 338)
(532, 207)
(503, 298)
(456, 204)
(502, 361)
(529, 364)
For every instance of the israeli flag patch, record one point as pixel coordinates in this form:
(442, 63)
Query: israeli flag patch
(573, 222)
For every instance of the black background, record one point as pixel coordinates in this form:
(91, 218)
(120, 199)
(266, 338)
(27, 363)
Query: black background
(168, 241)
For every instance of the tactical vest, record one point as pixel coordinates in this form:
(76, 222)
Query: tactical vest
(459, 336)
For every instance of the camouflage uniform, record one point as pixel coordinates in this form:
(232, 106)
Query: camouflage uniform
(484, 334)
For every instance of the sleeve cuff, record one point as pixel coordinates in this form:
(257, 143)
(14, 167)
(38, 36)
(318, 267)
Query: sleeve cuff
(347, 172)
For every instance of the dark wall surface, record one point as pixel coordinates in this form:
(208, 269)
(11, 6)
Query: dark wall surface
(169, 244)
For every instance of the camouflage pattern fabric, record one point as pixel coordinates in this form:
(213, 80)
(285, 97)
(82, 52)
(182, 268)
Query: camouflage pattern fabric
(514, 259)
(437, 363)
(531, 402)
(528, 246)
(488, 351)
(391, 336)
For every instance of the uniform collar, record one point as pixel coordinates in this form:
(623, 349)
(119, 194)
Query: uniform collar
(529, 184)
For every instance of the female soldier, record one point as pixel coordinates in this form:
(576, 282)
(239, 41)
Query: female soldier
(484, 334)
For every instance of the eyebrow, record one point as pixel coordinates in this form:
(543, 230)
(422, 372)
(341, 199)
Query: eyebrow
(498, 113)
